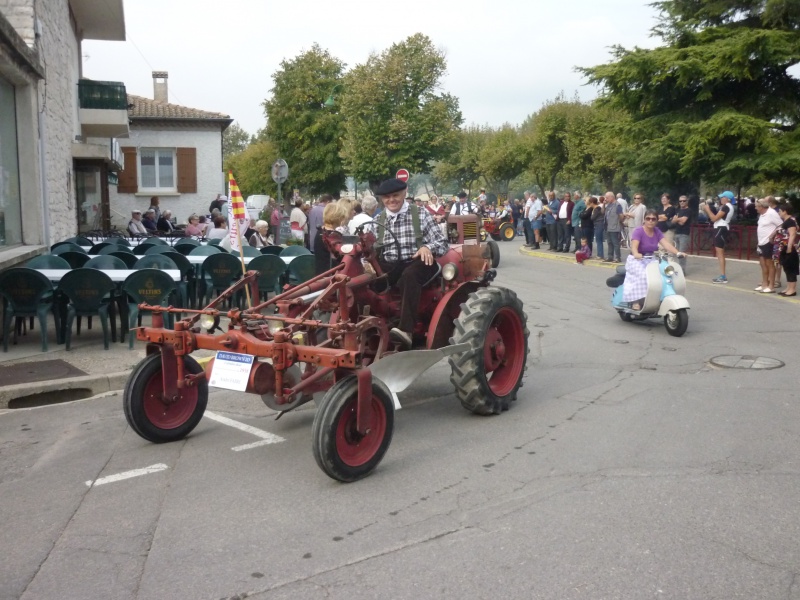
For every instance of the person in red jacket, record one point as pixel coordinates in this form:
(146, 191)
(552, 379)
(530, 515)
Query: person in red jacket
(564, 222)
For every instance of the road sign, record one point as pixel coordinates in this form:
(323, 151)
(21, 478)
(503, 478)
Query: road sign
(402, 175)
(280, 171)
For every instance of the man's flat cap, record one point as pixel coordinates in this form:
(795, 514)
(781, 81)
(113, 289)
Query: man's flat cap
(462, 194)
(390, 186)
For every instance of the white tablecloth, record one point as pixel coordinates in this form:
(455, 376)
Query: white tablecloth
(116, 275)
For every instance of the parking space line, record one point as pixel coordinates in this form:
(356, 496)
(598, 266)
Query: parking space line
(266, 437)
(127, 475)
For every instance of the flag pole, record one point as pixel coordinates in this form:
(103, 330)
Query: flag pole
(237, 225)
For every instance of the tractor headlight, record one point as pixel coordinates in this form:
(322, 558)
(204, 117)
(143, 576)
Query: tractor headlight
(669, 270)
(449, 271)
(209, 322)
(275, 326)
(346, 248)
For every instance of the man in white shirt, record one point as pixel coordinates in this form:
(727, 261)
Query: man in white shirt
(135, 225)
(535, 214)
(368, 206)
(722, 221)
(463, 206)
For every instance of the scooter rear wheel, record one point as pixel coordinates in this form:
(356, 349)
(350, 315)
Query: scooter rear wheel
(676, 322)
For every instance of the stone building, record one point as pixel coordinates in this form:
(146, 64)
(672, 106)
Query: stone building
(173, 152)
(57, 131)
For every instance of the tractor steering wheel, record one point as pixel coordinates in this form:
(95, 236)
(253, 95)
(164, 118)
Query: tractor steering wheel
(380, 246)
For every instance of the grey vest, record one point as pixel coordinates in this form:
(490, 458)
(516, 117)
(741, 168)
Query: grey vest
(612, 218)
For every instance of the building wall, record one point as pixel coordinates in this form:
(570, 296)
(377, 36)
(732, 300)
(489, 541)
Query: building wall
(208, 143)
(20, 13)
(60, 52)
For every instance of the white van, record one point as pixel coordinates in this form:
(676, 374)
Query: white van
(255, 204)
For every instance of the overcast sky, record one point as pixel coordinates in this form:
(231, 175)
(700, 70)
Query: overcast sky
(504, 57)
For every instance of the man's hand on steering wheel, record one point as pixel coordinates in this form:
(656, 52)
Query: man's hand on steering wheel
(425, 254)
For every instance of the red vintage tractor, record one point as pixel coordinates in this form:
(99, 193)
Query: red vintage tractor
(331, 334)
(500, 229)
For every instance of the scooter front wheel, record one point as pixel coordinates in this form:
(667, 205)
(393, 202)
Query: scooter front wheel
(676, 322)
(625, 316)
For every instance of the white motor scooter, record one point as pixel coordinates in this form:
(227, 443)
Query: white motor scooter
(665, 288)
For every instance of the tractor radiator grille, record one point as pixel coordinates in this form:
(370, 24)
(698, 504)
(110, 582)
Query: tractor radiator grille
(470, 230)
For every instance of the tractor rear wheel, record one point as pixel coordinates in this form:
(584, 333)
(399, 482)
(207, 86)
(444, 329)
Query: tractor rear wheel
(489, 374)
(507, 232)
(339, 449)
(155, 419)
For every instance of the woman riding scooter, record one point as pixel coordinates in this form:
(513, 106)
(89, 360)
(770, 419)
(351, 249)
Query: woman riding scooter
(644, 241)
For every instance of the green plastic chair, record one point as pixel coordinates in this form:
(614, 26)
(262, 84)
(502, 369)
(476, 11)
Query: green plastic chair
(119, 241)
(80, 240)
(147, 285)
(27, 293)
(105, 261)
(275, 250)
(186, 245)
(156, 240)
(187, 285)
(158, 249)
(270, 269)
(142, 248)
(97, 248)
(47, 261)
(214, 242)
(302, 269)
(155, 261)
(114, 248)
(205, 251)
(248, 251)
(75, 259)
(62, 247)
(89, 292)
(295, 251)
(219, 271)
(129, 258)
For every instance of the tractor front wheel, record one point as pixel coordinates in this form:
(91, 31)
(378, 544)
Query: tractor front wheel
(339, 449)
(488, 375)
(494, 253)
(507, 232)
(152, 416)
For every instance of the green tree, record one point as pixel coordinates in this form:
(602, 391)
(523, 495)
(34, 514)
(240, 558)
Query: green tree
(393, 117)
(252, 169)
(545, 135)
(305, 132)
(503, 158)
(716, 103)
(462, 165)
(234, 140)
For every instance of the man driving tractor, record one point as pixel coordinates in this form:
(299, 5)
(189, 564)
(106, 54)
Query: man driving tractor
(419, 241)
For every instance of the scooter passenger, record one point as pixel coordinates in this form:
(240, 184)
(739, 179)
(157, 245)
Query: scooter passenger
(645, 240)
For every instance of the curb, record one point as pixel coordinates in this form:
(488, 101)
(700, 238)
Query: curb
(564, 257)
(93, 384)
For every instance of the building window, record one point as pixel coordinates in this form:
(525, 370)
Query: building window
(157, 169)
(10, 202)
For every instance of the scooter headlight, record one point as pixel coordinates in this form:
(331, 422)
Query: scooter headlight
(449, 271)
(346, 248)
(669, 270)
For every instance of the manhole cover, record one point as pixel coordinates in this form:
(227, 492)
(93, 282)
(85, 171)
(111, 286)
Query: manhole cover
(746, 362)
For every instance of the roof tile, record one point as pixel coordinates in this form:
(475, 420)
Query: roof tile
(140, 107)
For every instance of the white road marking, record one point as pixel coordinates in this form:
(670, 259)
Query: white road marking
(266, 437)
(127, 475)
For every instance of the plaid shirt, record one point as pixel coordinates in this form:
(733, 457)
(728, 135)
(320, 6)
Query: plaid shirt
(403, 228)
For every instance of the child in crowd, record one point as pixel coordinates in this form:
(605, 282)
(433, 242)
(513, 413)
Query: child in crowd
(585, 253)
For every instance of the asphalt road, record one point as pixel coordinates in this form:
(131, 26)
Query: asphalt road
(628, 468)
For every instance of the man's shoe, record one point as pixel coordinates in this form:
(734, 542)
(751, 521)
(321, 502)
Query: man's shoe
(720, 279)
(536, 246)
(608, 260)
(400, 336)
